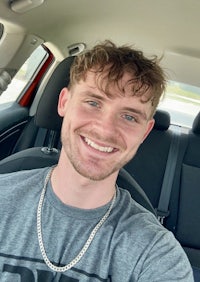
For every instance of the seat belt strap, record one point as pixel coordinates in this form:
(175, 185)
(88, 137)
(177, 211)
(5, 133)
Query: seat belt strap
(163, 205)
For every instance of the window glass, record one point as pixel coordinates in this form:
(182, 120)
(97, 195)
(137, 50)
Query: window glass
(24, 76)
(182, 101)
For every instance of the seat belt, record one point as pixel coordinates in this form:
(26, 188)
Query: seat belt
(163, 205)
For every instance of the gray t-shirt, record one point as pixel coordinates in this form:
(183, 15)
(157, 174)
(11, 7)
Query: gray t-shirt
(130, 246)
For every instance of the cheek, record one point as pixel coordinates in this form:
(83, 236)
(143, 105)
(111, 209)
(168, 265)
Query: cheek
(135, 135)
(84, 116)
(74, 118)
(134, 138)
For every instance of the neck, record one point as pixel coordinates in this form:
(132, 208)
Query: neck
(75, 190)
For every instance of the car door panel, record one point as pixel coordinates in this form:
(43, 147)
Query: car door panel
(12, 123)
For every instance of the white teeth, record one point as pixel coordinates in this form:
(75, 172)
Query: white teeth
(97, 147)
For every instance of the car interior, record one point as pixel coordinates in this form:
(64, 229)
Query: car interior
(164, 175)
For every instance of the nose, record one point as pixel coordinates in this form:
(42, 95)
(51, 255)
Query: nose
(108, 123)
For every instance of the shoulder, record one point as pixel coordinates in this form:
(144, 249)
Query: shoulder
(21, 178)
(152, 247)
(135, 224)
(23, 174)
(139, 226)
(138, 221)
(20, 189)
(129, 208)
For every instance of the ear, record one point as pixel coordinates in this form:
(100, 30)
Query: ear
(150, 125)
(62, 101)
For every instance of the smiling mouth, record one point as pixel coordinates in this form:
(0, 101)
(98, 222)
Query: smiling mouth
(97, 147)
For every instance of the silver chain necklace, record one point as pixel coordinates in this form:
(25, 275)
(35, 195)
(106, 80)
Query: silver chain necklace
(84, 248)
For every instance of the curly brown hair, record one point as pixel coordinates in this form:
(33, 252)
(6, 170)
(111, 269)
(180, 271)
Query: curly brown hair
(111, 62)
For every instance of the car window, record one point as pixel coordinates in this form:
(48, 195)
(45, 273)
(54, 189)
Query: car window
(182, 101)
(24, 77)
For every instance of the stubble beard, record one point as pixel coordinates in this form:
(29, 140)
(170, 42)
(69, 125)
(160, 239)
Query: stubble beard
(90, 169)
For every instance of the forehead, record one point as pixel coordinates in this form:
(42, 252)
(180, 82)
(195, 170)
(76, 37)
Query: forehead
(127, 85)
(111, 87)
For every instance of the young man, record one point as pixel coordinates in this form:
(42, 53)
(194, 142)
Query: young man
(71, 222)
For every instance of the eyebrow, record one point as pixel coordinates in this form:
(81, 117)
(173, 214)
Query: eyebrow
(93, 95)
(136, 111)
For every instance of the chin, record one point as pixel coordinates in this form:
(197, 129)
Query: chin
(94, 175)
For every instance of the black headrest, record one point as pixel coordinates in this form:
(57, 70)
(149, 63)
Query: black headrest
(196, 124)
(162, 120)
(46, 114)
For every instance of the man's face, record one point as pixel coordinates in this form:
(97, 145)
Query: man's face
(101, 134)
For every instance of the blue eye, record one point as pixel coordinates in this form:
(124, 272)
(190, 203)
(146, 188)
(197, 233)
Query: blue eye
(129, 118)
(93, 103)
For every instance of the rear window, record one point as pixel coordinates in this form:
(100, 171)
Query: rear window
(182, 101)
